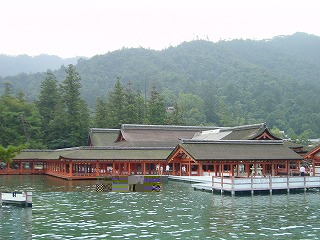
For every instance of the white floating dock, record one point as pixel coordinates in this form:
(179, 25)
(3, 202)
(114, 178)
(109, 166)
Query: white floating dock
(249, 184)
(203, 183)
(270, 183)
(192, 179)
(23, 199)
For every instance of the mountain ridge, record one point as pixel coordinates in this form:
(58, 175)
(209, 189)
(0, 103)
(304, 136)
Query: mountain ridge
(274, 80)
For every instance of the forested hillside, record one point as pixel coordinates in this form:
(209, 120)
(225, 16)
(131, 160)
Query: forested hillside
(225, 83)
(13, 65)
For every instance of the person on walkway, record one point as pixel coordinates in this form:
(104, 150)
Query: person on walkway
(302, 170)
(161, 170)
(167, 169)
(157, 168)
(183, 170)
(311, 170)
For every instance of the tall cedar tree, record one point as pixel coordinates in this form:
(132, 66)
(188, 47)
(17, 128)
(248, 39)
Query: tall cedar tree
(111, 113)
(156, 109)
(101, 114)
(132, 111)
(47, 102)
(141, 107)
(116, 106)
(71, 119)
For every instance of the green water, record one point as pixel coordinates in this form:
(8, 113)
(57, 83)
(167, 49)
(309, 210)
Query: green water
(73, 210)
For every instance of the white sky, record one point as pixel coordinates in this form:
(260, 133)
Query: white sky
(69, 28)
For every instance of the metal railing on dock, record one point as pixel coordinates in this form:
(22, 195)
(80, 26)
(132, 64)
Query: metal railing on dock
(233, 184)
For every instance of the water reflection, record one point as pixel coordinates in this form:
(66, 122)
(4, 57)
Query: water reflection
(43, 183)
(15, 222)
(177, 212)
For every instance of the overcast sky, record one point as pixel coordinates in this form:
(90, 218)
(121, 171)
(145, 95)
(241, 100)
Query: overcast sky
(69, 28)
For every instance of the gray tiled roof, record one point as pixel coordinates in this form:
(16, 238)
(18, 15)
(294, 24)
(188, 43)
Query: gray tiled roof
(246, 132)
(98, 153)
(102, 136)
(159, 133)
(239, 150)
(118, 154)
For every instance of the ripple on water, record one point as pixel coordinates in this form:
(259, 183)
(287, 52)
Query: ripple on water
(177, 212)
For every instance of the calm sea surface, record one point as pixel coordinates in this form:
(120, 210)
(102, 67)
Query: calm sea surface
(73, 210)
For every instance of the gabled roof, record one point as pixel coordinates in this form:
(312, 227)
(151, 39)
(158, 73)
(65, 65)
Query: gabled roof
(315, 152)
(158, 133)
(102, 136)
(97, 153)
(168, 144)
(246, 132)
(113, 153)
(34, 154)
(237, 150)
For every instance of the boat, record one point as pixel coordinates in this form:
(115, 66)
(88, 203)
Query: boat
(18, 198)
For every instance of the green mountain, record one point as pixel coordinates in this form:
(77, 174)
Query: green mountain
(13, 65)
(274, 81)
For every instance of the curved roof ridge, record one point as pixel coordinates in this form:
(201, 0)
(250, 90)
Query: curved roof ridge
(244, 127)
(122, 148)
(233, 141)
(104, 130)
(38, 150)
(142, 126)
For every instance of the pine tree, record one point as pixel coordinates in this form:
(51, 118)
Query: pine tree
(141, 107)
(116, 105)
(100, 118)
(71, 118)
(131, 113)
(156, 109)
(48, 99)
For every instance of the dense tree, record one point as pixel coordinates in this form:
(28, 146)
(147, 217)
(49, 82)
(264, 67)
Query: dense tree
(174, 115)
(240, 81)
(8, 153)
(122, 106)
(71, 116)
(141, 107)
(192, 109)
(130, 113)
(47, 102)
(20, 122)
(156, 110)
(116, 105)
(101, 114)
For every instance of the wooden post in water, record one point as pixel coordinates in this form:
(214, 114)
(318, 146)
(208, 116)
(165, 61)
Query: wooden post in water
(221, 175)
(212, 184)
(270, 184)
(70, 169)
(288, 186)
(252, 192)
(232, 186)
(28, 199)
